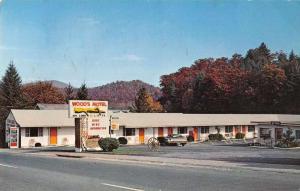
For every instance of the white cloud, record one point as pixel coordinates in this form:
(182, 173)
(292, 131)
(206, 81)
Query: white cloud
(129, 57)
(88, 20)
(7, 47)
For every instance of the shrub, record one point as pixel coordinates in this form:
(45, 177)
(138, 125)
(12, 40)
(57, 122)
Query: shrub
(122, 140)
(239, 135)
(190, 138)
(214, 137)
(288, 140)
(108, 144)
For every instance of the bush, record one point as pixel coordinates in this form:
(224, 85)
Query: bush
(108, 144)
(122, 140)
(288, 140)
(214, 137)
(239, 135)
(190, 138)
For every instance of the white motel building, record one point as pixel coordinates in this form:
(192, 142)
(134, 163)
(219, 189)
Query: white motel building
(50, 125)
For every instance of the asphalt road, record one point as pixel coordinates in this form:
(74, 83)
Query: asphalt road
(36, 173)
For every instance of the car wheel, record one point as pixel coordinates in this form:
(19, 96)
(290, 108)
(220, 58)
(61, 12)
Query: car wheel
(182, 144)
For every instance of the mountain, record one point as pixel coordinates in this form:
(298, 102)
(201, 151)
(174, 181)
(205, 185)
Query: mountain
(121, 94)
(55, 83)
(58, 84)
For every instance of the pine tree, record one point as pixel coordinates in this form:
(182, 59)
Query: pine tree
(82, 93)
(10, 88)
(11, 96)
(257, 58)
(69, 91)
(144, 103)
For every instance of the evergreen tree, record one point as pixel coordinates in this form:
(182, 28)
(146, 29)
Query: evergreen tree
(256, 58)
(144, 103)
(69, 91)
(82, 93)
(11, 95)
(10, 86)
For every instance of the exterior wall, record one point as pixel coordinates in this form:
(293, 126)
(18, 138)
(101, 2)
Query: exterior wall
(272, 129)
(67, 133)
(134, 140)
(30, 141)
(148, 134)
(66, 136)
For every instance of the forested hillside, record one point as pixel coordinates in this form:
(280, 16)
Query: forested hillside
(259, 82)
(121, 94)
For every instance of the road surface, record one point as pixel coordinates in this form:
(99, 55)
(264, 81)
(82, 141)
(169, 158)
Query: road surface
(29, 172)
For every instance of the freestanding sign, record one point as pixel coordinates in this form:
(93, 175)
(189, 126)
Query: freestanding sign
(91, 120)
(87, 108)
(13, 143)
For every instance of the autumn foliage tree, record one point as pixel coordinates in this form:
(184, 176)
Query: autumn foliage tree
(144, 103)
(260, 82)
(43, 92)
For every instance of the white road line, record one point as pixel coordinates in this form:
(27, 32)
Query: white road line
(123, 187)
(9, 166)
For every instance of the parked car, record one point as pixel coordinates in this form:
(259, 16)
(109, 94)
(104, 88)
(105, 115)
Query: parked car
(176, 140)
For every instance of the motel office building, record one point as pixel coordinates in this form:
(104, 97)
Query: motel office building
(53, 127)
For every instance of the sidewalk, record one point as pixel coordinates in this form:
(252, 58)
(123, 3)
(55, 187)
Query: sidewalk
(163, 161)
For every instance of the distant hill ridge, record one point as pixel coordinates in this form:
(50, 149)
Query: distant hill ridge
(55, 83)
(120, 94)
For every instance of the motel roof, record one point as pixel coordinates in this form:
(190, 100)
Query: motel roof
(59, 118)
(144, 120)
(42, 118)
(46, 106)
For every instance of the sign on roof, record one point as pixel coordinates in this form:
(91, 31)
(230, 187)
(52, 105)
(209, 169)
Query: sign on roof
(86, 108)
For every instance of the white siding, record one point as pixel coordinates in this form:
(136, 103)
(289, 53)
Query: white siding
(30, 141)
(62, 133)
(66, 136)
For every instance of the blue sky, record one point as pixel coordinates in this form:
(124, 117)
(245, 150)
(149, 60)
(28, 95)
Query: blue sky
(99, 41)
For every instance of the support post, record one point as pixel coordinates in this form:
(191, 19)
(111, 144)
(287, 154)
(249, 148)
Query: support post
(78, 123)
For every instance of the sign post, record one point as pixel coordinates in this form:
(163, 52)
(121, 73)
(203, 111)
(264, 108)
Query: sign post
(91, 119)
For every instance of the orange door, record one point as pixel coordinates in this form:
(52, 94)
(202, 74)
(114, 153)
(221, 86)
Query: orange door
(53, 136)
(195, 133)
(170, 131)
(160, 131)
(142, 136)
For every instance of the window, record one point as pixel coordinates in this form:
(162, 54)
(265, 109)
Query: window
(182, 130)
(265, 133)
(204, 130)
(297, 134)
(33, 132)
(228, 129)
(129, 132)
(251, 128)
